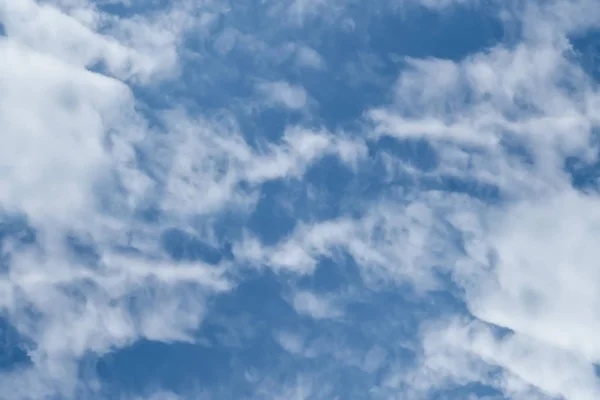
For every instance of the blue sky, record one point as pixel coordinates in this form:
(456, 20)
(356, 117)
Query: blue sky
(299, 199)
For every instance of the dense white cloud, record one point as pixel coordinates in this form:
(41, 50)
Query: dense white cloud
(78, 34)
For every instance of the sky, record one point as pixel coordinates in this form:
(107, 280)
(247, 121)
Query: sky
(299, 199)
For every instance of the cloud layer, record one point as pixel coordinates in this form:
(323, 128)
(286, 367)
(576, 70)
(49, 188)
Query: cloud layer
(298, 199)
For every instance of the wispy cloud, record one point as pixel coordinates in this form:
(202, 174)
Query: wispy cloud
(108, 141)
(283, 94)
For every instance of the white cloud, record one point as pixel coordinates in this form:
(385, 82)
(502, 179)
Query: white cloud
(315, 306)
(439, 5)
(290, 342)
(66, 133)
(68, 157)
(281, 93)
(460, 352)
(137, 48)
(309, 58)
(391, 243)
(42, 95)
(530, 262)
(207, 160)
